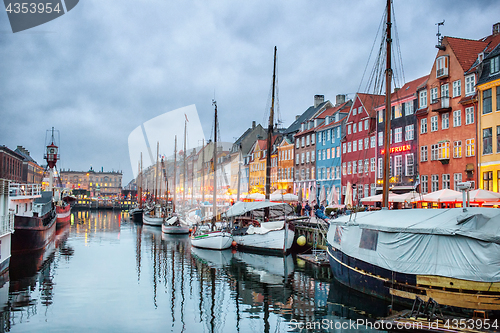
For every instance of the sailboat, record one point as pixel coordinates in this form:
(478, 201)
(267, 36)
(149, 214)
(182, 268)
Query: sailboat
(173, 224)
(208, 238)
(137, 211)
(273, 232)
(155, 216)
(447, 255)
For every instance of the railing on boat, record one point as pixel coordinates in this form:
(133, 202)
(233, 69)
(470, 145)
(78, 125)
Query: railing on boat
(6, 224)
(16, 189)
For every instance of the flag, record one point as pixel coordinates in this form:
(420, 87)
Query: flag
(185, 115)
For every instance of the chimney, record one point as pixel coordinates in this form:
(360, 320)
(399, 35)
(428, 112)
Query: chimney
(496, 29)
(253, 124)
(318, 99)
(297, 117)
(339, 99)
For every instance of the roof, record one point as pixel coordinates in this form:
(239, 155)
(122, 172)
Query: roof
(409, 89)
(370, 101)
(26, 157)
(332, 124)
(308, 114)
(485, 75)
(465, 50)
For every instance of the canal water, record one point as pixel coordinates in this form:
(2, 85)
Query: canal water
(104, 273)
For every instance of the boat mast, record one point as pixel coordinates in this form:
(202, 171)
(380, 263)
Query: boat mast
(184, 181)
(215, 166)
(156, 172)
(269, 138)
(239, 174)
(203, 172)
(270, 133)
(175, 173)
(140, 188)
(388, 76)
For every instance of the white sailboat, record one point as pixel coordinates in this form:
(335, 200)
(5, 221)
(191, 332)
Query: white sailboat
(205, 237)
(155, 216)
(268, 234)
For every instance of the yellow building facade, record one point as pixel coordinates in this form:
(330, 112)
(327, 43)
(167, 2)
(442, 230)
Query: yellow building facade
(489, 123)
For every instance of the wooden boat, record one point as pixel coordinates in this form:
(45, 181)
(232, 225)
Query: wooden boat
(174, 225)
(153, 217)
(449, 255)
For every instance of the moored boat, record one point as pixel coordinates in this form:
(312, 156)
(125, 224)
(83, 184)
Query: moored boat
(34, 219)
(136, 214)
(174, 225)
(215, 240)
(6, 226)
(153, 217)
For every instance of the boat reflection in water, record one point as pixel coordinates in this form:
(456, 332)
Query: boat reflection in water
(31, 276)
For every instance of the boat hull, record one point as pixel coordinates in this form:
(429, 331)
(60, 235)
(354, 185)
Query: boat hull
(270, 242)
(136, 214)
(174, 229)
(404, 288)
(63, 214)
(218, 240)
(33, 233)
(152, 220)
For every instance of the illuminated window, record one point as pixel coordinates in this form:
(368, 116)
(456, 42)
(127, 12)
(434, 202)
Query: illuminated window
(469, 146)
(457, 149)
(444, 150)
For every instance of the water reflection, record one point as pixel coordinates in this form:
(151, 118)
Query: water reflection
(159, 283)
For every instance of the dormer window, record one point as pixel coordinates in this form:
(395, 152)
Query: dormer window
(470, 82)
(442, 65)
(495, 65)
(480, 57)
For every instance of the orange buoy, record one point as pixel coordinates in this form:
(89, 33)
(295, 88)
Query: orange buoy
(233, 244)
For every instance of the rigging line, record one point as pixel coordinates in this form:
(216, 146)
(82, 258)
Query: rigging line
(398, 44)
(371, 51)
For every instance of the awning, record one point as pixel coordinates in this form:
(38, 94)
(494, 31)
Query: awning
(275, 208)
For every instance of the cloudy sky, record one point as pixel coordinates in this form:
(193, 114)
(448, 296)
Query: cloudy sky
(106, 67)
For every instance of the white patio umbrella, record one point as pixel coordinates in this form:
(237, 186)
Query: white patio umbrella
(481, 195)
(299, 194)
(408, 197)
(378, 198)
(348, 195)
(312, 196)
(445, 195)
(331, 196)
(322, 196)
(257, 196)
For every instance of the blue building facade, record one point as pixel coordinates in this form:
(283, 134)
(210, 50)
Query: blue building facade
(328, 151)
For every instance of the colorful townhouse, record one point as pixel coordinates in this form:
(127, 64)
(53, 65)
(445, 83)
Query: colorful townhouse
(404, 149)
(285, 166)
(257, 167)
(447, 115)
(328, 136)
(488, 87)
(358, 149)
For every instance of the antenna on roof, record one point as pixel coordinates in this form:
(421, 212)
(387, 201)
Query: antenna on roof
(440, 39)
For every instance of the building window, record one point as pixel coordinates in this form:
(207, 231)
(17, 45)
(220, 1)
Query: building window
(372, 164)
(312, 155)
(312, 139)
(488, 180)
(302, 158)
(487, 141)
(445, 121)
(303, 142)
(360, 166)
(354, 167)
(338, 151)
(469, 115)
(372, 142)
(307, 173)
(349, 147)
(344, 169)
(434, 152)
(457, 85)
(380, 168)
(423, 99)
(307, 140)
(381, 116)
(398, 135)
(354, 111)
(307, 157)
(328, 154)
(495, 65)
(398, 112)
(366, 124)
(355, 145)
(297, 143)
(366, 143)
(423, 154)
(457, 178)
(380, 138)
(409, 133)
(444, 150)
(434, 183)
(434, 95)
(319, 137)
(360, 144)
(457, 149)
(408, 108)
(498, 141)
(457, 118)
(423, 126)
(328, 135)
(360, 126)
(344, 149)
(469, 148)
(487, 101)
(297, 159)
(470, 82)
(354, 128)
(424, 184)
(348, 129)
(349, 168)
(442, 66)
(434, 123)
(409, 165)
(446, 181)
(398, 161)
(445, 90)
(498, 98)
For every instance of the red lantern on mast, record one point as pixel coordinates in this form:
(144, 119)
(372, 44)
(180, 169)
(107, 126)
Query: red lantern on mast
(52, 155)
